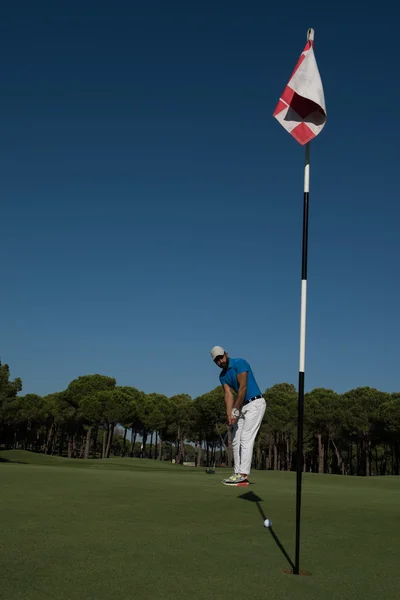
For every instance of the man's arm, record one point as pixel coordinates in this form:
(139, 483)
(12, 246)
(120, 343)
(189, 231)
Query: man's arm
(241, 394)
(228, 400)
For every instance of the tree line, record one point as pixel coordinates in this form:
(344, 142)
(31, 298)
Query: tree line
(355, 433)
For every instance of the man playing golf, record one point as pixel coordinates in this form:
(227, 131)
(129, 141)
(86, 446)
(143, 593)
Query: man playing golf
(245, 413)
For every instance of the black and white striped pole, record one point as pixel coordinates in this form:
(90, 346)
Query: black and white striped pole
(300, 417)
(301, 111)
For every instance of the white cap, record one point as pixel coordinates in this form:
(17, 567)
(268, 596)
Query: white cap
(217, 351)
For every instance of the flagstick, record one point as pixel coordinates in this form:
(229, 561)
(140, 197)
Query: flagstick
(303, 129)
(300, 461)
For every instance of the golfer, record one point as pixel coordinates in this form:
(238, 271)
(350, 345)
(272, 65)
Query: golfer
(245, 413)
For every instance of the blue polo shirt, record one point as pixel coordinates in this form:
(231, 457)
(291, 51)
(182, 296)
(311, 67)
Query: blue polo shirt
(229, 376)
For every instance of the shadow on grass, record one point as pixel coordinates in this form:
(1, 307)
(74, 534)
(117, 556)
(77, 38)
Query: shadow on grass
(15, 462)
(252, 497)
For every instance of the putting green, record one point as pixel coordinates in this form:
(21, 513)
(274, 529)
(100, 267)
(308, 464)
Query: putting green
(125, 528)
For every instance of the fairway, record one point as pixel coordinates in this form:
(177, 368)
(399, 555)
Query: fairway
(131, 528)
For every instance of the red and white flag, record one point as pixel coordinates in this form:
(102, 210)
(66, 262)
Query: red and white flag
(301, 108)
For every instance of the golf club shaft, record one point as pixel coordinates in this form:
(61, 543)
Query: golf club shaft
(223, 440)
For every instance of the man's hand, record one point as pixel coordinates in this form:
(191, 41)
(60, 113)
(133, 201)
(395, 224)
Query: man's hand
(233, 417)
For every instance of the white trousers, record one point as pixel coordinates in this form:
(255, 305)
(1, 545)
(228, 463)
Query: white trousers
(245, 432)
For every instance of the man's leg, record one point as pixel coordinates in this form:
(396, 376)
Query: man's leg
(253, 414)
(236, 447)
(236, 436)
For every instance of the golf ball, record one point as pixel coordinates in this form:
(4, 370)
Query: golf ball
(267, 523)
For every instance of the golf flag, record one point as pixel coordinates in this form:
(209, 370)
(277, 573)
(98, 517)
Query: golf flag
(301, 108)
(301, 111)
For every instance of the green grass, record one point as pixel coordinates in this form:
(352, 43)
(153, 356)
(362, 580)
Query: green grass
(126, 528)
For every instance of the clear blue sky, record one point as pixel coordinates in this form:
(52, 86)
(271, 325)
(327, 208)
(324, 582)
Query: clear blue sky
(152, 206)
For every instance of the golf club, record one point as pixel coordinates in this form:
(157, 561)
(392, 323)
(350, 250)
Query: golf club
(223, 439)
